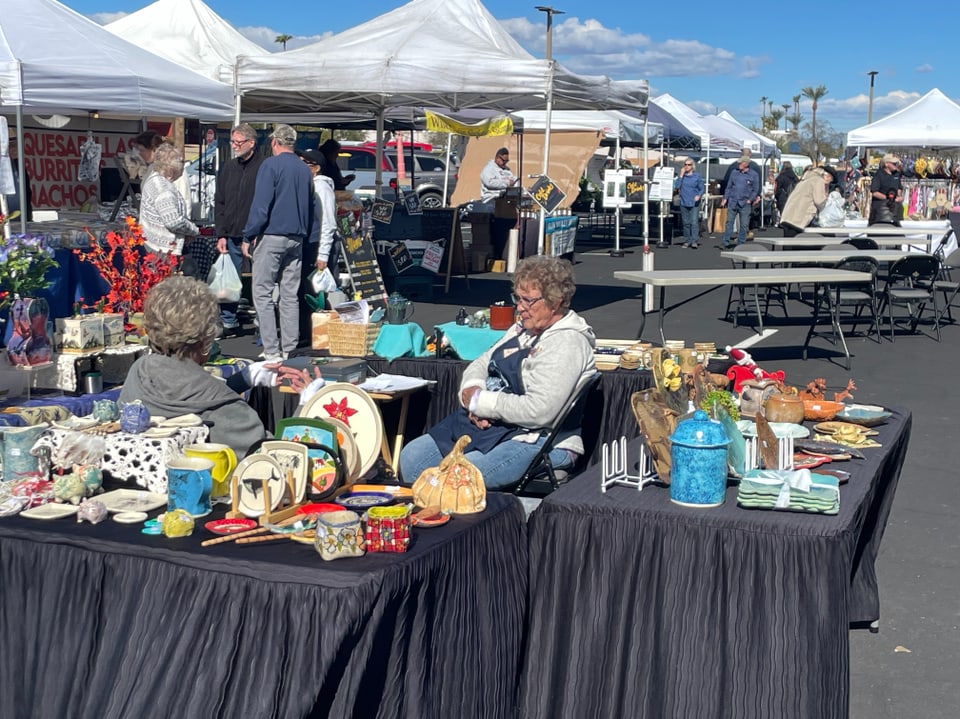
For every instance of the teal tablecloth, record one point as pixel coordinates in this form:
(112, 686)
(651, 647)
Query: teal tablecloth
(469, 342)
(396, 341)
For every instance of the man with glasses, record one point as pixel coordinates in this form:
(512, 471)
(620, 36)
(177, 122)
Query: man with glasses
(282, 217)
(232, 200)
(495, 178)
(691, 188)
(886, 193)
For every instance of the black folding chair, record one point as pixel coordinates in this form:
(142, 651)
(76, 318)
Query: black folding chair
(947, 284)
(910, 284)
(541, 468)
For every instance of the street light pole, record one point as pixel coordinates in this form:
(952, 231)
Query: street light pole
(872, 74)
(546, 125)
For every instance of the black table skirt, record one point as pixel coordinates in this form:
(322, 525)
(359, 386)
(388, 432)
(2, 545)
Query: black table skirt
(105, 622)
(641, 608)
(607, 416)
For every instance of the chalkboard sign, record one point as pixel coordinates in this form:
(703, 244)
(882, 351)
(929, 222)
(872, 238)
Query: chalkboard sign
(400, 257)
(635, 185)
(546, 193)
(430, 225)
(382, 211)
(363, 268)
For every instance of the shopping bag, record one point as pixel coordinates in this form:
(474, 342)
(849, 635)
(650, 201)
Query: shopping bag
(224, 281)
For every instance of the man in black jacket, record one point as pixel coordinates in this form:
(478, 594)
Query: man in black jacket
(232, 201)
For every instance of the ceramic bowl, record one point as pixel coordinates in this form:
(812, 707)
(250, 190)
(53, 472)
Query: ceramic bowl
(820, 410)
(866, 415)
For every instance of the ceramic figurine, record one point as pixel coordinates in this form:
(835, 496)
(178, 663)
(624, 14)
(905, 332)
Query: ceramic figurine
(91, 510)
(177, 523)
(106, 410)
(134, 417)
(91, 476)
(69, 488)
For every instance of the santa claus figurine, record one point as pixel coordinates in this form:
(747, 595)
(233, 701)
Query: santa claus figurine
(746, 369)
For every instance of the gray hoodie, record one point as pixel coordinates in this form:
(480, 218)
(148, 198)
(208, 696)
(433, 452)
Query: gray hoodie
(551, 373)
(171, 387)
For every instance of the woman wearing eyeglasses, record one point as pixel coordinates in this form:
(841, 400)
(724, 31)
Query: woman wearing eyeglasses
(512, 394)
(691, 189)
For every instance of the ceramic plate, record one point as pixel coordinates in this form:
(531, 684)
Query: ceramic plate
(322, 473)
(229, 526)
(347, 442)
(354, 407)
(292, 457)
(360, 501)
(319, 508)
(429, 517)
(159, 432)
(184, 420)
(781, 430)
(132, 500)
(130, 517)
(844, 427)
(307, 537)
(395, 489)
(808, 461)
(50, 511)
(76, 423)
(249, 472)
(299, 527)
(863, 414)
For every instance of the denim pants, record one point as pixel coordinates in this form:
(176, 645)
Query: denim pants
(502, 466)
(690, 219)
(228, 310)
(276, 261)
(743, 212)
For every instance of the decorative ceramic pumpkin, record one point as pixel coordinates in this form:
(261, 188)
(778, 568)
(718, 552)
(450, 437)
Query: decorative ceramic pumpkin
(456, 486)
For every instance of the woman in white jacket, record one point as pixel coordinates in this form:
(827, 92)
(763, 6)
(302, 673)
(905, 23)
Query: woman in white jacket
(512, 394)
(806, 200)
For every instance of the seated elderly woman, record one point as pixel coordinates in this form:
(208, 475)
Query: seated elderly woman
(182, 320)
(512, 394)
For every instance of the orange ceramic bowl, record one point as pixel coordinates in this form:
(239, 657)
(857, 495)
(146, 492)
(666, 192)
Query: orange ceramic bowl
(820, 410)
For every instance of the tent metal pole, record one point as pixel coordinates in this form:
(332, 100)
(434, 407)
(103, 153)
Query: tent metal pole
(378, 182)
(617, 252)
(446, 169)
(541, 231)
(23, 175)
(646, 188)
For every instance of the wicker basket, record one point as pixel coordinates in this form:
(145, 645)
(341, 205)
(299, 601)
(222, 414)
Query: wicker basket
(351, 339)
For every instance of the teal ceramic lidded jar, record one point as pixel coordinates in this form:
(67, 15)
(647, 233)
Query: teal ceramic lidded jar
(698, 475)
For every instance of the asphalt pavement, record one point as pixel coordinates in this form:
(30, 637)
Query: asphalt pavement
(908, 668)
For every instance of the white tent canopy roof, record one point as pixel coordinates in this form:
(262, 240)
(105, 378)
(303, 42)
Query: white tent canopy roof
(612, 123)
(451, 54)
(716, 136)
(55, 60)
(932, 121)
(754, 140)
(188, 33)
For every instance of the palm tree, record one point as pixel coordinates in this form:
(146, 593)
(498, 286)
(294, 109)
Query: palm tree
(814, 94)
(283, 40)
(775, 116)
(786, 109)
(763, 107)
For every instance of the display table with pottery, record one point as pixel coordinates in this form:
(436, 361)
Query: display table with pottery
(264, 630)
(660, 610)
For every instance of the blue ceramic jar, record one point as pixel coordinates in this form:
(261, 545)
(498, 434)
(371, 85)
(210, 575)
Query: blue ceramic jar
(698, 454)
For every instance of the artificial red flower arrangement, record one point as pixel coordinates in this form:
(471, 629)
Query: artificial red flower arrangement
(128, 270)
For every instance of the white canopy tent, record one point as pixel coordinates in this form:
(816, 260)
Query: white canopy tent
(932, 121)
(758, 144)
(717, 137)
(188, 33)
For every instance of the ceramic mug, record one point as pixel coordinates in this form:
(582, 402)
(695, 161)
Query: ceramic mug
(687, 359)
(189, 481)
(224, 462)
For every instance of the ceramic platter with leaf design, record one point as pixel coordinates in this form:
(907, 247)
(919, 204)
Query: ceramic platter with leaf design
(352, 406)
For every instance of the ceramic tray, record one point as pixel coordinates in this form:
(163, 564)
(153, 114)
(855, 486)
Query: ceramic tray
(291, 456)
(864, 414)
(354, 407)
(248, 474)
(781, 430)
(132, 500)
(49, 511)
(360, 501)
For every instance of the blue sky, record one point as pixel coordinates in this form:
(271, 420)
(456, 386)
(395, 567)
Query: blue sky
(712, 56)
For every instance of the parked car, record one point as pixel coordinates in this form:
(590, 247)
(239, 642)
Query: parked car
(425, 173)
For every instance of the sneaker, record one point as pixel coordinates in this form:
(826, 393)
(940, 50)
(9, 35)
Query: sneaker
(274, 359)
(686, 245)
(693, 246)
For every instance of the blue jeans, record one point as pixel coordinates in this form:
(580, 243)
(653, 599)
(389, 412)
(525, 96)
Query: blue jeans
(690, 219)
(228, 310)
(502, 466)
(743, 212)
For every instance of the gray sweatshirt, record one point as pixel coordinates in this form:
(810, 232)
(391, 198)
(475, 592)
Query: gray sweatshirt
(171, 387)
(562, 357)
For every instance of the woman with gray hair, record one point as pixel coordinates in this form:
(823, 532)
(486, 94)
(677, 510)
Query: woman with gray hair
(511, 395)
(163, 211)
(182, 320)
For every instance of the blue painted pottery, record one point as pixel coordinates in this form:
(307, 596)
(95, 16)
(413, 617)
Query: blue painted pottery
(698, 475)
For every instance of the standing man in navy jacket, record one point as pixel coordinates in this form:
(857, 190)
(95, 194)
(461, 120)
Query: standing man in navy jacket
(741, 194)
(281, 219)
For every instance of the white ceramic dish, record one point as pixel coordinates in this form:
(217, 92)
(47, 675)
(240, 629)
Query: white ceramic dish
(160, 432)
(50, 511)
(290, 456)
(354, 407)
(76, 423)
(248, 474)
(184, 420)
(132, 500)
(781, 430)
(130, 517)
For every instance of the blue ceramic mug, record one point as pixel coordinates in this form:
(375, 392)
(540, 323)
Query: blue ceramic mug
(189, 482)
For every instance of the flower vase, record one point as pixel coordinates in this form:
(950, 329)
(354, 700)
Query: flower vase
(29, 343)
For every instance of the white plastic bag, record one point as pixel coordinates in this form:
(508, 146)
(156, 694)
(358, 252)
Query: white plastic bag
(322, 281)
(833, 213)
(224, 281)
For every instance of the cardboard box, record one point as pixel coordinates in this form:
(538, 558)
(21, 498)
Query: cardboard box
(320, 339)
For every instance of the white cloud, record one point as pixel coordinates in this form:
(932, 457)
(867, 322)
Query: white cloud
(265, 37)
(924, 68)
